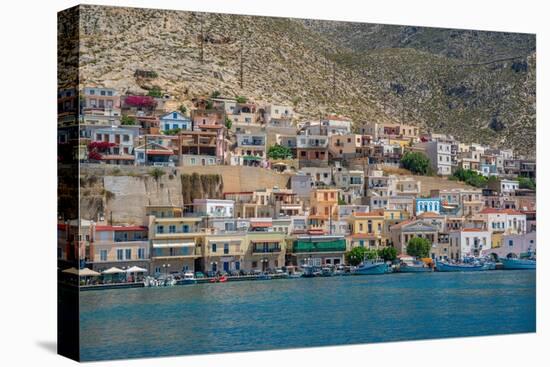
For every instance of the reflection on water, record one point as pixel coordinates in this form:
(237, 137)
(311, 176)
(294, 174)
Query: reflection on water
(257, 315)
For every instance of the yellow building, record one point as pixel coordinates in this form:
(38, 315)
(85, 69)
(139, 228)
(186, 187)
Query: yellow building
(176, 244)
(264, 250)
(367, 229)
(164, 211)
(402, 142)
(224, 252)
(496, 239)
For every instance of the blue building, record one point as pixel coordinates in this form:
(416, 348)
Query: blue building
(175, 120)
(428, 205)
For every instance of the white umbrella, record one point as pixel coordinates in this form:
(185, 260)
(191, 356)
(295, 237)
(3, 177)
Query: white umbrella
(113, 270)
(136, 269)
(88, 273)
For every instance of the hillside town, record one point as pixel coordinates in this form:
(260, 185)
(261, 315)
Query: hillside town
(351, 184)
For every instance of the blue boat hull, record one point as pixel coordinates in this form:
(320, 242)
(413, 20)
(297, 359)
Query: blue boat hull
(415, 269)
(513, 264)
(444, 267)
(372, 269)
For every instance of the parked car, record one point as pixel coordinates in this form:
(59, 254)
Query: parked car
(199, 275)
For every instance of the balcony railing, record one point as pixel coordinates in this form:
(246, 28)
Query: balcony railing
(264, 250)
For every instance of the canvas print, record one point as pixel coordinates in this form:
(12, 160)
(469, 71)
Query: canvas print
(241, 183)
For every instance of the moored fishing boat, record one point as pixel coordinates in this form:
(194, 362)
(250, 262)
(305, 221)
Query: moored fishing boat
(446, 267)
(326, 272)
(409, 264)
(414, 267)
(369, 267)
(516, 264)
(188, 278)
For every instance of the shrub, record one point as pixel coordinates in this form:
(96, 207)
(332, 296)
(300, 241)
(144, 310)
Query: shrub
(278, 151)
(156, 173)
(417, 162)
(127, 120)
(155, 92)
(470, 177)
(527, 183)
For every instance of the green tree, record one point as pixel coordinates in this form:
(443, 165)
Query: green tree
(156, 173)
(341, 201)
(387, 253)
(155, 92)
(418, 247)
(183, 109)
(278, 151)
(417, 162)
(228, 123)
(215, 94)
(472, 178)
(174, 131)
(355, 256)
(127, 120)
(527, 183)
(371, 254)
(240, 99)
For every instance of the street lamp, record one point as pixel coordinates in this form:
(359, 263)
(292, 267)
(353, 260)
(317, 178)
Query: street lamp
(166, 267)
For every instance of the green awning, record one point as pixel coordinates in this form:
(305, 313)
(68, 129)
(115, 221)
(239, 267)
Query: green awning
(320, 246)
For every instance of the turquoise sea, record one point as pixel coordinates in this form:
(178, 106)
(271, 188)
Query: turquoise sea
(305, 312)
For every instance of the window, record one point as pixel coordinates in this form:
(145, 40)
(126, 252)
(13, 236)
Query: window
(166, 126)
(214, 247)
(185, 228)
(103, 255)
(92, 91)
(102, 92)
(225, 248)
(141, 253)
(119, 254)
(172, 229)
(125, 137)
(510, 242)
(128, 253)
(160, 229)
(175, 115)
(254, 264)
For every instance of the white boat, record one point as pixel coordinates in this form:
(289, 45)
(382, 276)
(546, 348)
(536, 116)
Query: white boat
(188, 278)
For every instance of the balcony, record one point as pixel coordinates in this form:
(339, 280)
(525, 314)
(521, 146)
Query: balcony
(253, 143)
(262, 249)
(175, 252)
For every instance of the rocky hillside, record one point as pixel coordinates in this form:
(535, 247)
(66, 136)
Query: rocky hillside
(440, 80)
